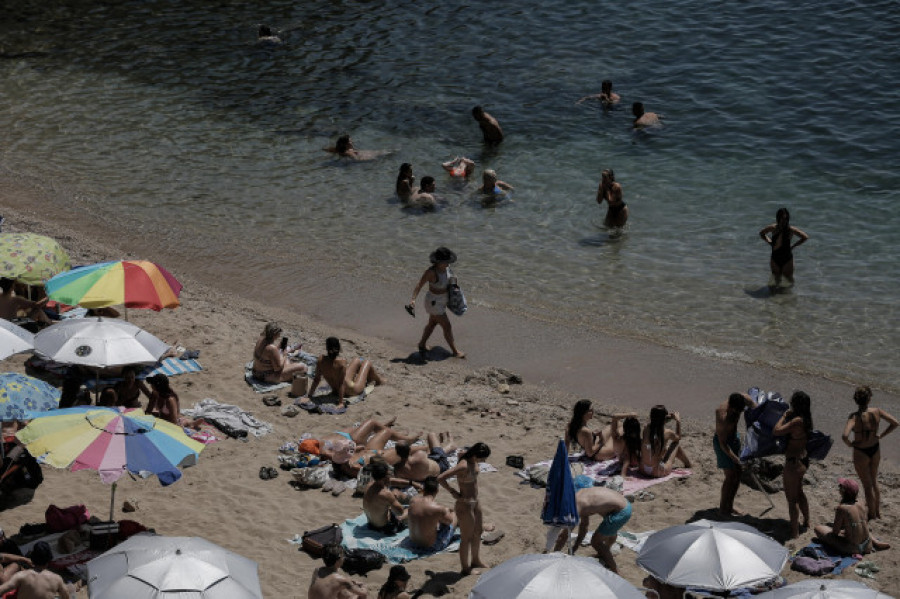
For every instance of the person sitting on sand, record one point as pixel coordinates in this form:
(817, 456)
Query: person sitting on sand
(13, 306)
(345, 379)
(607, 96)
(490, 128)
(431, 525)
(108, 398)
(632, 439)
(344, 148)
(129, 389)
(467, 507)
(270, 361)
(644, 119)
(395, 585)
(459, 167)
(405, 181)
(384, 513)
(727, 446)
(416, 464)
(163, 400)
(849, 534)
(661, 446)
(39, 583)
(328, 582)
(606, 444)
(615, 511)
(10, 563)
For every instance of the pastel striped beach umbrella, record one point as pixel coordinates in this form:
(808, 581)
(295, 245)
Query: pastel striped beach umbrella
(111, 441)
(134, 283)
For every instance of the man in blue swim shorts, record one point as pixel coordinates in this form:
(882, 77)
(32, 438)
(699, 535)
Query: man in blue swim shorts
(415, 464)
(431, 526)
(727, 445)
(615, 510)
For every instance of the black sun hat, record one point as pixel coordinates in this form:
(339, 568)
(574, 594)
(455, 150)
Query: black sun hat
(442, 254)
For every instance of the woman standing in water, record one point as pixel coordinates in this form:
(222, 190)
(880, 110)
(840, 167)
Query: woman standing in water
(611, 192)
(796, 424)
(778, 235)
(405, 182)
(468, 510)
(438, 277)
(864, 424)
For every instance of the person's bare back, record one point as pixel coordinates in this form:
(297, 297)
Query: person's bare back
(34, 584)
(329, 583)
(417, 467)
(425, 515)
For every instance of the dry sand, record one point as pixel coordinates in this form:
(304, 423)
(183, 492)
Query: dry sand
(223, 499)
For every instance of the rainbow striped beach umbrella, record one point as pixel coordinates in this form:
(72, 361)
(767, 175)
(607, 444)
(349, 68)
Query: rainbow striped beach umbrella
(110, 441)
(134, 283)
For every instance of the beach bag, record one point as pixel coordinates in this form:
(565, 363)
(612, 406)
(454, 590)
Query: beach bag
(362, 561)
(60, 519)
(818, 444)
(313, 477)
(456, 300)
(313, 542)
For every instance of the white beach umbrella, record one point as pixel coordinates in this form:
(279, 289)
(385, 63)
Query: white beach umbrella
(14, 339)
(552, 575)
(98, 343)
(157, 567)
(824, 589)
(717, 556)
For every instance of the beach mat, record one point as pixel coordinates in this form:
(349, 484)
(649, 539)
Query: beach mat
(396, 548)
(604, 474)
(324, 400)
(169, 367)
(818, 551)
(261, 386)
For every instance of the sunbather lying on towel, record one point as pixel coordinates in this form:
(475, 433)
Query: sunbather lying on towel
(346, 379)
(415, 463)
(351, 448)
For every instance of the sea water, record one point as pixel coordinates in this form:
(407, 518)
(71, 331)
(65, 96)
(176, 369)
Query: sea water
(169, 119)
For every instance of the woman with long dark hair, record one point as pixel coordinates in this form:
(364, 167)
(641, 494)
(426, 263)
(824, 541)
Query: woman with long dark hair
(405, 181)
(395, 586)
(796, 423)
(468, 510)
(632, 438)
(864, 424)
(661, 446)
(163, 401)
(782, 259)
(605, 444)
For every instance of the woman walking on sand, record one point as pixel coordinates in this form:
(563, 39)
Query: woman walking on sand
(468, 510)
(782, 259)
(796, 424)
(864, 424)
(439, 278)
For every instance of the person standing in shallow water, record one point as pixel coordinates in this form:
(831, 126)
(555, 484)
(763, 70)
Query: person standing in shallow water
(438, 277)
(611, 192)
(778, 235)
(490, 128)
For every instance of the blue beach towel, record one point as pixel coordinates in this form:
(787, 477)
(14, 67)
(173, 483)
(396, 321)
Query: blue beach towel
(819, 551)
(396, 548)
(168, 367)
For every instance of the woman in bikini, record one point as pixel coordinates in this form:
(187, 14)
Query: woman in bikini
(405, 180)
(437, 277)
(796, 424)
(352, 448)
(270, 362)
(850, 532)
(864, 424)
(129, 389)
(631, 442)
(347, 380)
(599, 446)
(661, 446)
(611, 192)
(782, 259)
(163, 401)
(468, 510)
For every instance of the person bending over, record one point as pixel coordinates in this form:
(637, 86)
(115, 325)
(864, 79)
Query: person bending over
(850, 532)
(346, 379)
(329, 583)
(39, 583)
(615, 511)
(431, 525)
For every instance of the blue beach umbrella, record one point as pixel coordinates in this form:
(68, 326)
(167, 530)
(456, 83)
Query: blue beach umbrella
(22, 395)
(559, 500)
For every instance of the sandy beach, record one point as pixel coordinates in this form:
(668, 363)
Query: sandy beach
(223, 499)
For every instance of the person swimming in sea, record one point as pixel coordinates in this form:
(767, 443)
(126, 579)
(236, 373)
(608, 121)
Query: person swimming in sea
(459, 167)
(265, 37)
(644, 119)
(607, 97)
(778, 235)
(344, 148)
(492, 189)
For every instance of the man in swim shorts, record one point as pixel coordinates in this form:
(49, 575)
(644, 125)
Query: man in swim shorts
(727, 445)
(431, 525)
(615, 510)
(384, 512)
(416, 465)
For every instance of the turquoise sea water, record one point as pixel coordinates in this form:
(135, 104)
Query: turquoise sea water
(169, 116)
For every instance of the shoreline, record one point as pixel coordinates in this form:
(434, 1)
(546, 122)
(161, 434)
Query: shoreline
(223, 499)
(616, 370)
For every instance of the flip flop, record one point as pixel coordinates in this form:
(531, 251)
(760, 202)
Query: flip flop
(491, 538)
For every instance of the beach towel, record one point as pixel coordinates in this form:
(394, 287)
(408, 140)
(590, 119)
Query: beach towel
(231, 420)
(261, 386)
(169, 367)
(604, 474)
(396, 548)
(819, 551)
(324, 399)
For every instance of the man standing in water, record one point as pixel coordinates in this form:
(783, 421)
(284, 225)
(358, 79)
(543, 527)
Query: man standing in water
(727, 445)
(644, 119)
(490, 128)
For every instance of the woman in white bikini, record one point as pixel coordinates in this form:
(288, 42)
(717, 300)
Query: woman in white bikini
(660, 445)
(438, 279)
(864, 424)
(468, 510)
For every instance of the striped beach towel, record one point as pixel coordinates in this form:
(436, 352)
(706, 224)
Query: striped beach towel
(168, 367)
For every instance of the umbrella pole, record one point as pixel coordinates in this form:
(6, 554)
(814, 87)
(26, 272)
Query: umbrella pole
(760, 487)
(112, 502)
(125, 311)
